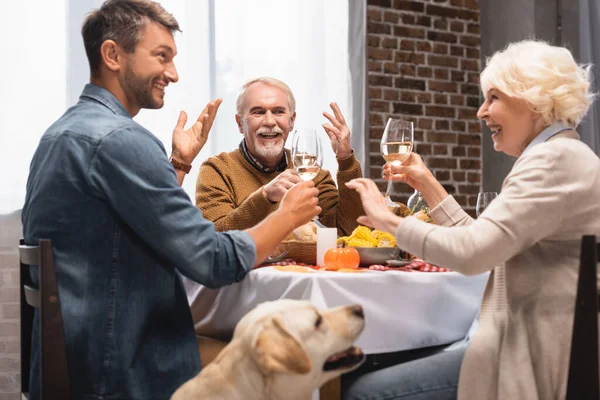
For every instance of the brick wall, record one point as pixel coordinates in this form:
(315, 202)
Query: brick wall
(423, 64)
(10, 233)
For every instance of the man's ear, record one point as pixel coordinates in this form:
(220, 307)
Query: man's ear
(110, 55)
(240, 123)
(275, 350)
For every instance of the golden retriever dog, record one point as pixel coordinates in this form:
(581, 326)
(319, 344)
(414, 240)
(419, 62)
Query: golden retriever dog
(282, 349)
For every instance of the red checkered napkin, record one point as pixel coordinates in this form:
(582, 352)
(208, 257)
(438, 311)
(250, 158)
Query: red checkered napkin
(420, 265)
(377, 267)
(416, 265)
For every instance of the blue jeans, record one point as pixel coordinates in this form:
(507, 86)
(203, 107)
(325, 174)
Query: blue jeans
(434, 376)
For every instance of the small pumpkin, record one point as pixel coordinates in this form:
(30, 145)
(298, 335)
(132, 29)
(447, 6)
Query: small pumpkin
(341, 257)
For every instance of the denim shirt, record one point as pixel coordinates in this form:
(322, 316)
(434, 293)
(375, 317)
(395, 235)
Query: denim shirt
(102, 189)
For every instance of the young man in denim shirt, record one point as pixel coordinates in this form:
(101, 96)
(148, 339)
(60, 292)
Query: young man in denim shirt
(102, 188)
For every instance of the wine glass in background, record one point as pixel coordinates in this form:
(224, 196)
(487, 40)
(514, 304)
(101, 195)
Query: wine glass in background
(396, 145)
(416, 202)
(307, 153)
(483, 200)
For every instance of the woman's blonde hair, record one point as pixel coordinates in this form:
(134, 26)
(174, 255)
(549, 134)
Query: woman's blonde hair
(270, 82)
(545, 76)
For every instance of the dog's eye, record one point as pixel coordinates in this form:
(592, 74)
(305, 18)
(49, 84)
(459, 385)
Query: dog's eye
(319, 321)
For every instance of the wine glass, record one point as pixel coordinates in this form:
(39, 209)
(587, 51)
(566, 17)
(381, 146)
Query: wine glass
(307, 153)
(416, 202)
(483, 200)
(396, 145)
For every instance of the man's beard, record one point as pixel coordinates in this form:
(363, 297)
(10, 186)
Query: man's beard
(141, 89)
(269, 150)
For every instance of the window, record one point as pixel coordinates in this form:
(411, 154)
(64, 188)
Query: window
(223, 44)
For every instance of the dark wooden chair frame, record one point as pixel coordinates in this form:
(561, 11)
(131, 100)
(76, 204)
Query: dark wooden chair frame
(583, 383)
(54, 379)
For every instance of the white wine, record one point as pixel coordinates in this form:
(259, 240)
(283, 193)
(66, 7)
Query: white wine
(305, 159)
(396, 151)
(307, 172)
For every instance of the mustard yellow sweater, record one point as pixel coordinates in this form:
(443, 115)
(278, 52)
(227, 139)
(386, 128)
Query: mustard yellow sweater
(229, 193)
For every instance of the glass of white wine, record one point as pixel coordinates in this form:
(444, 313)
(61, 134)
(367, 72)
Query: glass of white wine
(483, 201)
(307, 153)
(396, 145)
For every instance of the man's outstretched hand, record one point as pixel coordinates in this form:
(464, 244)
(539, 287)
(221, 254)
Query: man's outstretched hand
(187, 143)
(338, 132)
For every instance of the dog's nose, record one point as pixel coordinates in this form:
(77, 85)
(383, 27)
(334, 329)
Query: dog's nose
(357, 310)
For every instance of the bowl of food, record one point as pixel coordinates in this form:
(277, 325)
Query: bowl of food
(377, 255)
(373, 246)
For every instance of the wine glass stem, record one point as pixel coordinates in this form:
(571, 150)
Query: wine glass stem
(388, 190)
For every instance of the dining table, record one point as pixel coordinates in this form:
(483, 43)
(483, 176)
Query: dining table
(403, 310)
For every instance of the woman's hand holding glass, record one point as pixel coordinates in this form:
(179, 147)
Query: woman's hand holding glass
(414, 173)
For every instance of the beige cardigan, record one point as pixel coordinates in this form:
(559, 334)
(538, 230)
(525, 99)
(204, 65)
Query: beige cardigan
(529, 237)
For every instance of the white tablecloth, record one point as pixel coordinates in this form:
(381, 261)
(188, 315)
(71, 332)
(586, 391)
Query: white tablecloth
(403, 310)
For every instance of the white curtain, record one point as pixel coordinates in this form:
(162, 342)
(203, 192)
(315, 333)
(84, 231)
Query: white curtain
(223, 44)
(357, 54)
(589, 31)
(33, 89)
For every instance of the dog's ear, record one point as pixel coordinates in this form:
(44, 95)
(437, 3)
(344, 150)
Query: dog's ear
(276, 350)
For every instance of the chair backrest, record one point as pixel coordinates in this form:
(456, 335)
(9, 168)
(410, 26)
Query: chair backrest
(583, 380)
(54, 373)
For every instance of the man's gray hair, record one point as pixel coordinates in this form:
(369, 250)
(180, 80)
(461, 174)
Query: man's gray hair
(267, 81)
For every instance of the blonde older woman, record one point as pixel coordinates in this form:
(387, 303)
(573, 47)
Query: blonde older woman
(529, 236)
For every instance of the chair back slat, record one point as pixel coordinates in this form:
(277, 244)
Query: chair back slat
(32, 296)
(29, 255)
(54, 372)
(583, 382)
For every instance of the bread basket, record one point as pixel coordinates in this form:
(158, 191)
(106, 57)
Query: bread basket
(301, 251)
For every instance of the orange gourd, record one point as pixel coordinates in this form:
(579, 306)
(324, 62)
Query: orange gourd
(341, 257)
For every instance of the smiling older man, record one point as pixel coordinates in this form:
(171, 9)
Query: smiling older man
(237, 190)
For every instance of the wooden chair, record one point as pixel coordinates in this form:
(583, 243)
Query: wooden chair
(583, 382)
(210, 348)
(54, 374)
